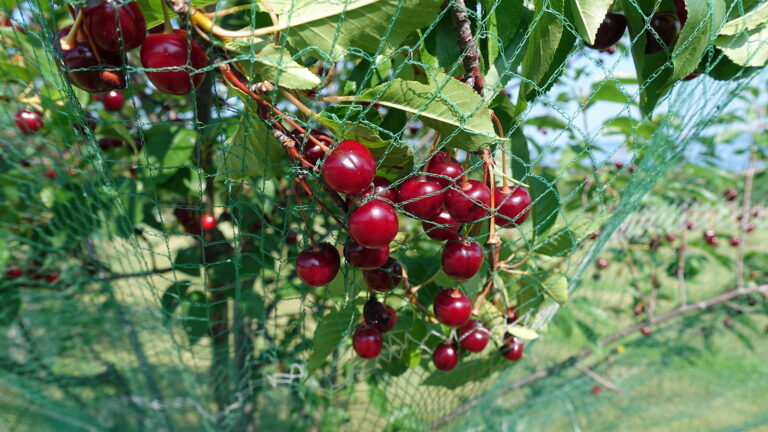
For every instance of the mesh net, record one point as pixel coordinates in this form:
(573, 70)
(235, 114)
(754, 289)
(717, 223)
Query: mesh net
(123, 308)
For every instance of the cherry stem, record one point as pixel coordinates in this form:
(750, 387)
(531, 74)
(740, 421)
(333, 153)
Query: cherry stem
(301, 209)
(167, 28)
(70, 40)
(505, 182)
(325, 208)
(432, 150)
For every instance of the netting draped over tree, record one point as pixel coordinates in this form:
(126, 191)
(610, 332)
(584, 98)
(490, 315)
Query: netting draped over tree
(375, 214)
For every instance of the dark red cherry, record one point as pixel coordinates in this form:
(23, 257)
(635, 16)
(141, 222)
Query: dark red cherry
(511, 315)
(392, 319)
(512, 348)
(174, 51)
(451, 307)
(420, 197)
(682, 11)
(82, 68)
(291, 237)
(473, 336)
(713, 241)
(349, 168)
(51, 174)
(462, 259)
(442, 226)
(734, 241)
(367, 342)
(374, 224)
(384, 278)
(445, 169)
(312, 152)
(318, 265)
(29, 121)
(364, 258)
(375, 314)
(115, 28)
(666, 26)
(208, 222)
(468, 202)
(610, 31)
(646, 331)
(445, 357)
(108, 143)
(602, 263)
(690, 225)
(619, 165)
(13, 273)
(671, 237)
(731, 194)
(512, 207)
(382, 188)
(113, 100)
(52, 278)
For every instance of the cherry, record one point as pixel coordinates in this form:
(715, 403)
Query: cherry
(382, 188)
(731, 194)
(349, 168)
(513, 206)
(735, 241)
(420, 197)
(291, 237)
(392, 319)
(312, 152)
(367, 342)
(384, 278)
(639, 309)
(178, 52)
(51, 174)
(115, 28)
(690, 225)
(671, 237)
(451, 307)
(610, 31)
(29, 121)
(646, 331)
(619, 165)
(512, 348)
(596, 390)
(364, 258)
(445, 168)
(374, 224)
(108, 143)
(318, 265)
(512, 315)
(208, 222)
(442, 226)
(445, 357)
(52, 278)
(84, 70)
(666, 26)
(473, 336)
(713, 241)
(602, 263)
(749, 227)
(375, 314)
(631, 169)
(461, 259)
(682, 11)
(709, 234)
(468, 202)
(13, 273)
(595, 235)
(691, 76)
(113, 100)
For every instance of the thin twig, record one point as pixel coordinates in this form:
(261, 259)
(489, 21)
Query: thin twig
(473, 77)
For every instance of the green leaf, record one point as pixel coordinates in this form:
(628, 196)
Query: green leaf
(588, 15)
(195, 314)
(189, 261)
(276, 65)
(10, 303)
(444, 104)
(746, 49)
(747, 22)
(506, 44)
(329, 333)
(153, 10)
(555, 285)
(466, 372)
(545, 201)
(172, 297)
(4, 252)
(522, 332)
(564, 239)
(167, 149)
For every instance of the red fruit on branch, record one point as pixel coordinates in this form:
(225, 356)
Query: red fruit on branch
(420, 197)
(708, 234)
(512, 315)
(445, 357)
(29, 121)
(665, 26)
(734, 241)
(381, 188)
(473, 336)
(208, 222)
(461, 259)
(177, 53)
(115, 28)
(610, 31)
(318, 265)
(451, 307)
(512, 348)
(51, 174)
(596, 390)
(445, 169)
(731, 194)
(364, 258)
(442, 226)
(646, 331)
(602, 263)
(670, 237)
(13, 273)
(513, 206)
(349, 168)
(468, 202)
(374, 224)
(113, 100)
(81, 66)
(385, 278)
(367, 342)
(713, 241)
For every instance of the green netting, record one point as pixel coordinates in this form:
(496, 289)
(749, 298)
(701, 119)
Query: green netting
(120, 311)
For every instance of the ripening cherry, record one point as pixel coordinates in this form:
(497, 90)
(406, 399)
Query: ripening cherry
(461, 259)
(671, 237)
(596, 390)
(666, 26)
(208, 222)
(349, 168)
(318, 265)
(115, 28)
(364, 258)
(468, 202)
(734, 241)
(442, 226)
(512, 315)
(113, 100)
(473, 336)
(177, 53)
(451, 307)
(513, 206)
(312, 152)
(682, 11)
(83, 68)
(374, 224)
(646, 331)
(445, 357)
(713, 241)
(51, 174)
(52, 278)
(383, 189)
(385, 278)
(29, 121)
(445, 169)
(512, 348)
(731, 193)
(13, 273)
(420, 197)
(367, 342)
(610, 31)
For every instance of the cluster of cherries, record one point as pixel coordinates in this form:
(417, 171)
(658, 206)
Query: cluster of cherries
(443, 198)
(93, 50)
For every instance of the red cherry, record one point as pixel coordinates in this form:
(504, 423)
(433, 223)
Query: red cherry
(84, 70)
(382, 188)
(602, 263)
(610, 31)
(442, 226)
(349, 168)
(468, 202)
(682, 11)
(318, 265)
(13, 273)
(619, 165)
(666, 26)
(749, 227)
(735, 241)
(113, 100)
(691, 76)
(113, 29)
(51, 174)
(445, 169)
(713, 241)
(392, 319)
(385, 278)
(731, 194)
(291, 237)
(671, 237)
(163, 51)
(709, 234)
(374, 224)
(367, 342)
(108, 143)
(690, 225)
(512, 348)
(420, 197)
(364, 258)
(646, 331)
(511, 315)
(451, 307)
(473, 336)
(312, 152)
(29, 121)
(52, 278)
(512, 207)
(445, 357)
(208, 222)
(595, 235)
(596, 390)
(461, 259)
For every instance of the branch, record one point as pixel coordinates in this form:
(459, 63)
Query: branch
(468, 45)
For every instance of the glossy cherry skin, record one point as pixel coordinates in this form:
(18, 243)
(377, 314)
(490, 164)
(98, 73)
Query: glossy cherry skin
(442, 226)
(473, 336)
(312, 152)
(374, 224)
(349, 168)
(364, 258)
(420, 197)
(451, 307)
(512, 207)
(445, 357)
(29, 121)
(374, 313)
(667, 27)
(442, 165)
(160, 51)
(208, 222)
(610, 31)
(113, 100)
(382, 188)
(384, 278)
(512, 348)
(461, 259)
(468, 202)
(115, 28)
(94, 77)
(367, 342)
(318, 265)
